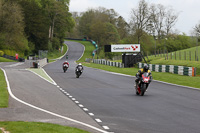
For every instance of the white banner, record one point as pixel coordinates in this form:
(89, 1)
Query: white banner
(125, 48)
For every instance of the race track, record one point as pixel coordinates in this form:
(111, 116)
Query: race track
(111, 98)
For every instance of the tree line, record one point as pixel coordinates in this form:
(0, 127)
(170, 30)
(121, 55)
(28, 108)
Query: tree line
(151, 25)
(31, 25)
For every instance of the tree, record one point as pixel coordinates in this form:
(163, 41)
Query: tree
(111, 34)
(36, 24)
(97, 32)
(158, 14)
(122, 27)
(12, 27)
(85, 22)
(197, 29)
(140, 18)
(171, 19)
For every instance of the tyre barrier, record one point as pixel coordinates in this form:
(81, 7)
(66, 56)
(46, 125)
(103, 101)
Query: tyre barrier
(181, 70)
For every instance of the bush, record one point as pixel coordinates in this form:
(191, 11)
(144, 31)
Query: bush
(55, 43)
(1, 53)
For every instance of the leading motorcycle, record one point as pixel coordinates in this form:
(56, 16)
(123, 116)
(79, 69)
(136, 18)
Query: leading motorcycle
(143, 84)
(65, 67)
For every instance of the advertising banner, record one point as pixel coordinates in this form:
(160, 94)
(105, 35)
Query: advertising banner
(125, 48)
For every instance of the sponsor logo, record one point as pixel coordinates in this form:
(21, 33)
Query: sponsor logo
(134, 48)
(126, 48)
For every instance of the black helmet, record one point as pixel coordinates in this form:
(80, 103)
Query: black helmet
(146, 68)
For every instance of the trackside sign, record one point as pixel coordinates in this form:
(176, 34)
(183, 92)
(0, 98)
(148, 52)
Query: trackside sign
(125, 48)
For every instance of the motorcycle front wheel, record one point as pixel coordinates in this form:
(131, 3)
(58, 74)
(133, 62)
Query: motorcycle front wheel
(143, 89)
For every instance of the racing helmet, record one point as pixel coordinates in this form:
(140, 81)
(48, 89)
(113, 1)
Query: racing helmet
(79, 64)
(146, 68)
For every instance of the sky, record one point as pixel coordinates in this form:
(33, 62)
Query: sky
(189, 10)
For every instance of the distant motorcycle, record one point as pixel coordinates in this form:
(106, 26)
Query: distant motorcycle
(65, 67)
(143, 84)
(78, 72)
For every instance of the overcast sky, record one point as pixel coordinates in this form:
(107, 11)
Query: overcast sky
(189, 10)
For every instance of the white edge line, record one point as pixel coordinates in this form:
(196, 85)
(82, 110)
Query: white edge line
(153, 79)
(43, 110)
(82, 53)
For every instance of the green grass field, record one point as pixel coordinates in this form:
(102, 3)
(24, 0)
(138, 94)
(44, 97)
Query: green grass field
(52, 56)
(37, 127)
(6, 60)
(3, 91)
(180, 59)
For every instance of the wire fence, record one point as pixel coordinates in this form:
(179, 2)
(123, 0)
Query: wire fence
(187, 55)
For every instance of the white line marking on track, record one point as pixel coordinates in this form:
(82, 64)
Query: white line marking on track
(98, 120)
(85, 109)
(80, 105)
(91, 114)
(106, 127)
(13, 65)
(46, 111)
(73, 99)
(76, 101)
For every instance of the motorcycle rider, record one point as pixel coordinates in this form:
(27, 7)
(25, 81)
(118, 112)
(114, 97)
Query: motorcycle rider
(140, 72)
(66, 63)
(79, 66)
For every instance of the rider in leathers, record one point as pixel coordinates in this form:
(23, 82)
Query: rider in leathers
(79, 66)
(140, 72)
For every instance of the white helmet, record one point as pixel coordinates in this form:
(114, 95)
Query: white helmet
(80, 64)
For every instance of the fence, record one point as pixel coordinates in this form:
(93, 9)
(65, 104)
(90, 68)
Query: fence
(187, 55)
(181, 70)
(105, 62)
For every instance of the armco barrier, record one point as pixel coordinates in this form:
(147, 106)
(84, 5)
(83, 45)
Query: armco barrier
(106, 62)
(181, 70)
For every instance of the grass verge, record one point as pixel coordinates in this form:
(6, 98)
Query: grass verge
(52, 56)
(37, 127)
(40, 72)
(166, 77)
(6, 60)
(3, 91)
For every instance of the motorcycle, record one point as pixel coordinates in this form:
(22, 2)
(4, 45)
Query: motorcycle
(65, 67)
(78, 72)
(143, 84)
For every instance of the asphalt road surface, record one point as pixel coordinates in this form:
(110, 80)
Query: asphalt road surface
(36, 100)
(111, 98)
